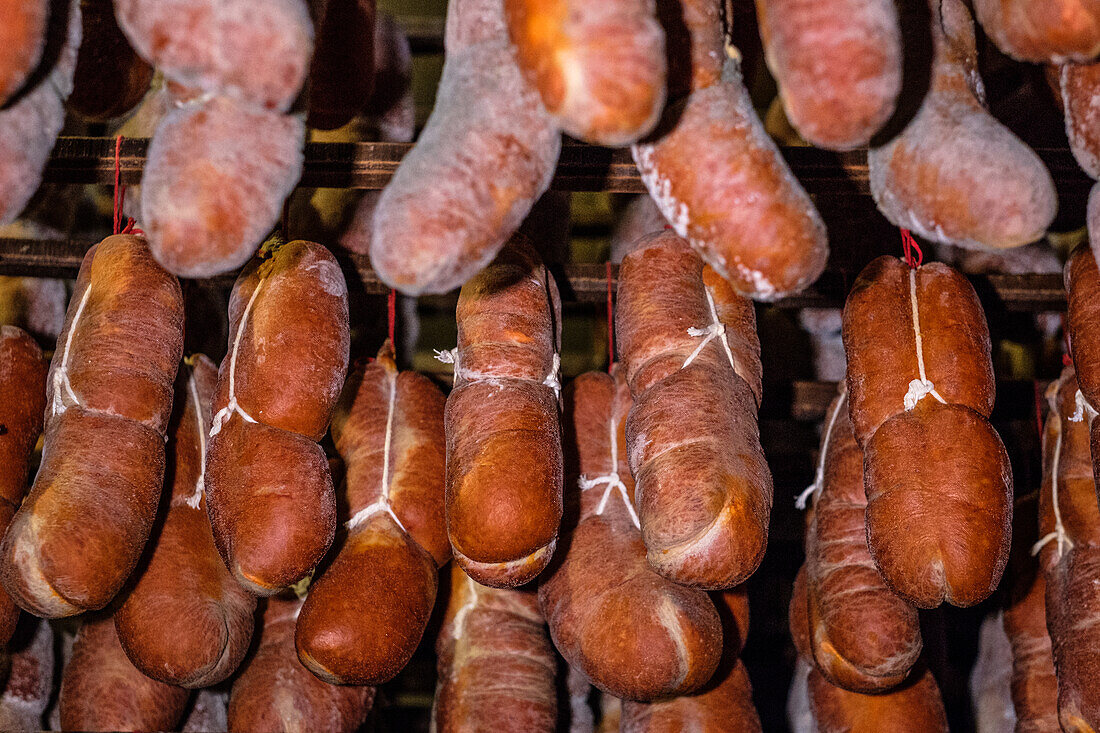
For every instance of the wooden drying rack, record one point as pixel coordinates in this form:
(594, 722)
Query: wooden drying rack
(84, 160)
(88, 160)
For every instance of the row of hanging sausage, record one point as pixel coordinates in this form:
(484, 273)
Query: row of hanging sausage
(227, 135)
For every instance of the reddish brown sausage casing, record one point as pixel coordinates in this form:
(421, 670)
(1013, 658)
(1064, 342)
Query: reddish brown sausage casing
(838, 65)
(257, 51)
(275, 693)
(1043, 31)
(388, 427)
(268, 489)
(915, 706)
(1082, 282)
(674, 638)
(187, 621)
(496, 663)
(599, 67)
(504, 460)
(23, 386)
(22, 36)
(721, 183)
(938, 481)
(724, 703)
(80, 532)
(864, 638)
(1034, 686)
(476, 170)
(1069, 546)
(955, 174)
(692, 359)
(102, 690)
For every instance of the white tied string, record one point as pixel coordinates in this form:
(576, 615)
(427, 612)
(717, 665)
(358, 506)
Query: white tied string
(226, 412)
(716, 329)
(1084, 409)
(918, 388)
(383, 503)
(450, 356)
(553, 379)
(195, 499)
(613, 480)
(1059, 533)
(61, 384)
(819, 477)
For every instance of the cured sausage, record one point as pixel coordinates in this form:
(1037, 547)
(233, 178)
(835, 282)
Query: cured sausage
(274, 692)
(674, 637)
(504, 456)
(1080, 88)
(1082, 282)
(915, 706)
(187, 621)
(955, 174)
(496, 663)
(23, 386)
(257, 51)
(215, 181)
(102, 690)
(476, 170)
(692, 360)
(937, 477)
(269, 492)
(81, 530)
(838, 65)
(863, 637)
(1034, 686)
(714, 151)
(725, 702)
(1042, 31)
(1069, 552)
(599, 67)
(31, 122)
(388, 428)
(22, 36)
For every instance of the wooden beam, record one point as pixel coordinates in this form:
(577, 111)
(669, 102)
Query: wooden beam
(581, 167)
(581, 283)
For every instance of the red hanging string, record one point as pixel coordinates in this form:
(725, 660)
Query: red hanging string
(391, 313)
(1067, 355)
(908, 244)
(120, 191)
(610, 323)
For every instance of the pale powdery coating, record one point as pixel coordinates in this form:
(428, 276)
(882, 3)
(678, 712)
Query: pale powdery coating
(837, 63)
(599, 66)
(214, 184)
(29, 128)
(22, 37)
(991, 678)
(208, 712)
(486, 154)
(29, 685)
(721, 183)
(955, 174)
(1080, 87)
(256, 50)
